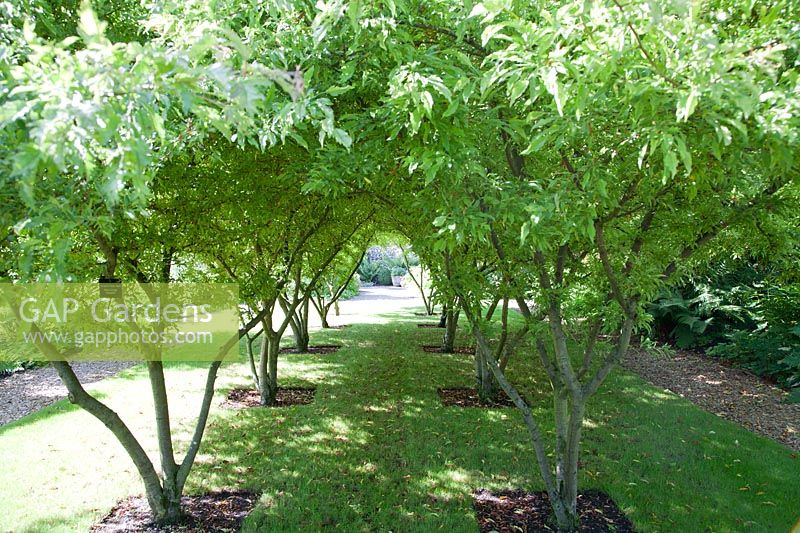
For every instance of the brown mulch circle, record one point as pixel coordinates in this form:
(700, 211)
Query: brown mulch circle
(340, 326)
(244, 398)
(466, 397)
(731, 393)
(433, 348)
(318, 349)
(428, 325)
(213, 512)
(519, 511)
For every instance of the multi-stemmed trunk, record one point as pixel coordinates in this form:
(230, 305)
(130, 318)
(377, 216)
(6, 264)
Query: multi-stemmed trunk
(324, 300)
(484, 381)
(507, 344)
(265, 370)
(163, 492)
(298, 320)
(451, 325)
(427, 297)
(571, 391)
(267, 377)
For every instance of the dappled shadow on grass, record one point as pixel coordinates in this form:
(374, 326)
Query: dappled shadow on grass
(355, 458)
(378, 451)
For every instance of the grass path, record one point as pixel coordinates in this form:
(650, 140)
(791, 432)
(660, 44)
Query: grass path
(377, 451)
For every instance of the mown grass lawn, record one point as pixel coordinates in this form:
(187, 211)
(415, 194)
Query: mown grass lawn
(377, 451)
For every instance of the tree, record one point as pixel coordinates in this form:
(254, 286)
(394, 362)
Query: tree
(94, 195)
(427, 290)
(335, 283)
(593, 153)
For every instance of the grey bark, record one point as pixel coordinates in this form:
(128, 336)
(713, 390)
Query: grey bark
(298, 321)
(451, 326)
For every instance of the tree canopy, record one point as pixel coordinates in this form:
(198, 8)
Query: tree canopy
(574, 157)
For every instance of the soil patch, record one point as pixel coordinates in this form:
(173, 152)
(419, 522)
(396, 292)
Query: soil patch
(433, 348)
(318, 349)
(428, 325)
(728, 392)
(517, 511)
(466, 397)
(244, 398)
(214, 512)
(340, 326)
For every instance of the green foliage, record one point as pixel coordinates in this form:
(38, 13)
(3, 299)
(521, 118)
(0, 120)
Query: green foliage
(352, 289)
(399, 271)
(773, 353)
(744, 312)
(380, 264)
(696, 321)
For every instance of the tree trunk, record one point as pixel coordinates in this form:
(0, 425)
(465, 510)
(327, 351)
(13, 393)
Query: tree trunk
(484, 381)
(268, 371)
(323, 316)
(448, 342)
(323, 307)
(298, 321)
(493, 306)
(443, 317)
(252, 359)
(171, 493)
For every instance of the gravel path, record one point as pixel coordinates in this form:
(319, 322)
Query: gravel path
(730, 393)
(25, 392)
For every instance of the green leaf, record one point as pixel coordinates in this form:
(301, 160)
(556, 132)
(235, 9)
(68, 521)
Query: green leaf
(336, 90)
(342, 137)
(642, 155)
(683, 151)
(551, 84)
(524, 231)
(452, 108)
(89, 25)
(491, 31)
(686, 105)
(517, 89)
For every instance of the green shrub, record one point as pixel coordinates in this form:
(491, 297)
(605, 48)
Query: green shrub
(383, 276)
(745, 314)
(351, 289)
(774, 354)
(700, 320)
(379, 265)
(399, 271)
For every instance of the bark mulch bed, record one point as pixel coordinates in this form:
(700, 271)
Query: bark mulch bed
(434, 348)
(340, 326)
(317, 349)
(730, 393)
(519, 511)
(214, 512)
(428, 325)
(244, 398)
(465, 397)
